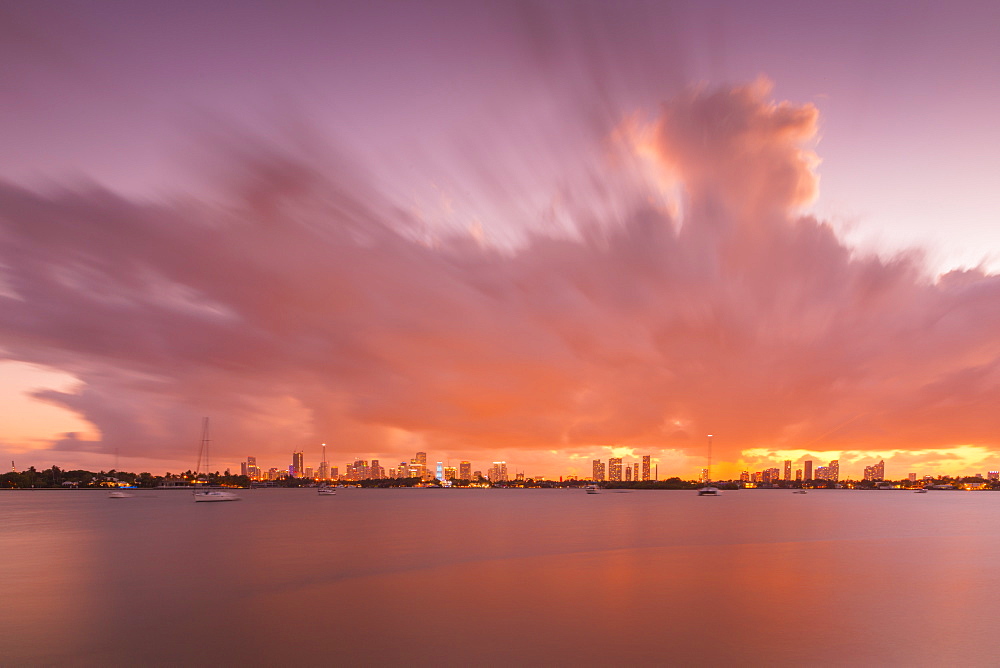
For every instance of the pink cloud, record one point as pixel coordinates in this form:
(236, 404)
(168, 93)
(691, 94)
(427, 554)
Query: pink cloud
(309, 309)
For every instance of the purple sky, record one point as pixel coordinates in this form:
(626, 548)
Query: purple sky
(480, 158)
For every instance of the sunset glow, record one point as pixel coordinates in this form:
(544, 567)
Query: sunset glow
(542, 236)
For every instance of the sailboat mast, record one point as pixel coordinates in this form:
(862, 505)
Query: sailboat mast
(203, 450)
(708, 469)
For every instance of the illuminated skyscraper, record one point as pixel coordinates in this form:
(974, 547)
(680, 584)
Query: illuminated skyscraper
(298, 467)
(598, 470)
(913, 476)
(876, 472)
(376, 470)
(645, 467)
(498, 472)
(990, 475)
(809, 469)
(439, 472)
(822, 473)
(615, 469)
(628, 473)
(798, 475)
(833, 470)
(745, 476)
(704, 475)
(451, 473)
(788, 469)
(465, 471)
(420, 462)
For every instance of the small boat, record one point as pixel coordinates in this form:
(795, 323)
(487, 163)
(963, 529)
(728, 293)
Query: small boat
(119, 495)
(920, 491)
(214, 495)
(326, 491)
(708, 489)
(800, 491)
(209, 493)
(591, 489)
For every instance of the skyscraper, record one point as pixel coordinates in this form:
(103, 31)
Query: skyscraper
(420, 462)
(465, 471)
(788, 469)
(298, 468)
(809, 469)
(628, 473)
(645, 467)
(598, 470)
(615, 469)
(833, 470)
(498, 472)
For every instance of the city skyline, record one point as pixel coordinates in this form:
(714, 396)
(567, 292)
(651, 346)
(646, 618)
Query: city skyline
(546, 233)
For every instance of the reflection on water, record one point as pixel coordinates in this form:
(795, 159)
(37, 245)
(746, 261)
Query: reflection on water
(553, 577)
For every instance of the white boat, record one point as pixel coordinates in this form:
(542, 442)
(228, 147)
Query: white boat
(920, 491)
(214, 495)
(326, 491)
(592, 489)
(800, 491)
(708, 489)
(209, 493)
(119, 495)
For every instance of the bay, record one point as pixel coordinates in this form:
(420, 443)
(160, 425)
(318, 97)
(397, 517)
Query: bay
(484, 576)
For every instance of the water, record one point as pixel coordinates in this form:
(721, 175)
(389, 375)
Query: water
(484, 577)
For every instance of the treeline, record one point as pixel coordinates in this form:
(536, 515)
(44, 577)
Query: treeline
(57, 478)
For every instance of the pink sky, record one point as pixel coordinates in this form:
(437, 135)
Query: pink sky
(543, 233)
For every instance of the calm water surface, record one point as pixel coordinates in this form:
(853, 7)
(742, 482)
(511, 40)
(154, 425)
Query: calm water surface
(484, 577)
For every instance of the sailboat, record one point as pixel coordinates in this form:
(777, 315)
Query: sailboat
(208, 494)
(709, 489)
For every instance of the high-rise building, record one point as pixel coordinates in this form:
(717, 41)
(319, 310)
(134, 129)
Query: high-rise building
(822, 473)
(798, 475)
(465, 471)
(451, 473)
(297, 469)
(420, 464)
(704, 475)
(598, 470)
(376, 470)
(615, 469)
(788, 469)
(990, 475)
(833, 470)
(770, 475)
(745, 476)
(439, 471)
(635, 471)
(913, 477)
(876, 472)
(809, 469)
(498, 472)
(645, 467)
(628, 473)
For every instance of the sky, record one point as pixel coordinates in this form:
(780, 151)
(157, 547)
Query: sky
(537, 232)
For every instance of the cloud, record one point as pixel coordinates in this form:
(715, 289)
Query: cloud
(308, 305)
